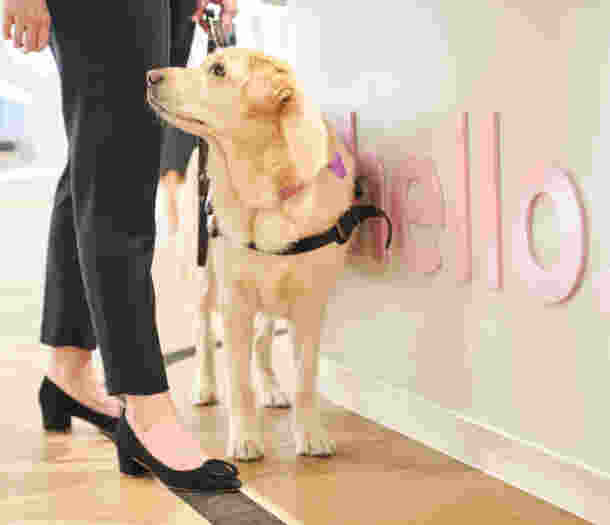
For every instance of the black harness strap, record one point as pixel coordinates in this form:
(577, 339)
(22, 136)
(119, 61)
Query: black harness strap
(339, 233)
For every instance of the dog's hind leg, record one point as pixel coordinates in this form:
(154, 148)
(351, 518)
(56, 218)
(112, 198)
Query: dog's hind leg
(204, 390)
(269, 388)
(170, 182)
(310, 435)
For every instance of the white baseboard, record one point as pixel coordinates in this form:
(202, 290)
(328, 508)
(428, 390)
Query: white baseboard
(563, 482)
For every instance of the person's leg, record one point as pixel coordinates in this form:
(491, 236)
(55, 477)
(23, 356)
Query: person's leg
(66, 324)
(177, 145)
(112, 135)
(114, 143)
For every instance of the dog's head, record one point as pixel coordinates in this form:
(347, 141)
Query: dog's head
(249, 100)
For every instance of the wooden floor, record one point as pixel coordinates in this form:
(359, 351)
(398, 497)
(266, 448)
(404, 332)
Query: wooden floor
(378, 476)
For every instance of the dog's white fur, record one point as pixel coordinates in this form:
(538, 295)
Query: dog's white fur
(265, 135)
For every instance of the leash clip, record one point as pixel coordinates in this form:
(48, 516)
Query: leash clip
(216, 32)
(342, 239)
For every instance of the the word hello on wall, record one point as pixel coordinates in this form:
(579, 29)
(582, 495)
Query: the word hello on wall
(554, 285)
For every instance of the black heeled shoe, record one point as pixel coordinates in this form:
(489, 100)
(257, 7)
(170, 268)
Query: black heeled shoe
(215, 475)
(58, 408)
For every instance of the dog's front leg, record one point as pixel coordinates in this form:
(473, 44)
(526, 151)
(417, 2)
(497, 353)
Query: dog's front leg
(310, 435)
(245, 424)
(269, 387)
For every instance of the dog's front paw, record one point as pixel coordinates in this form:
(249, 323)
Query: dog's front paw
(204, 397)
(272, 396)
(312, 438)
(245, 442)
(203, 392)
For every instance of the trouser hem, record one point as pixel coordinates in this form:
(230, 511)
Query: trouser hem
(60, 341)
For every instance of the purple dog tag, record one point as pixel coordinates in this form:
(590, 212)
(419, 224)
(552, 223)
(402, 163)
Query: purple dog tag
(337, 166)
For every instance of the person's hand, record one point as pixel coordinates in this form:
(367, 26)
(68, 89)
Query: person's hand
(227, 13)
(31, 17)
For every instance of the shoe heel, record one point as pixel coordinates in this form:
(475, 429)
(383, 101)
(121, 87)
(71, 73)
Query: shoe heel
(56, 421)
(130, 467)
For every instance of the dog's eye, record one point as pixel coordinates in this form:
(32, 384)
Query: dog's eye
(218, 69)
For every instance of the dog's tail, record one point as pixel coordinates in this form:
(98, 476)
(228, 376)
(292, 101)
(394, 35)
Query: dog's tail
(171, 182)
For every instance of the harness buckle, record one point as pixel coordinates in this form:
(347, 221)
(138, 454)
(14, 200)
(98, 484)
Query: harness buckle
(345, 225)
(342, 239)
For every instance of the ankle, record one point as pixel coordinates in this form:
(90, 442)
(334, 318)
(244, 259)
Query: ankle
(146, 410)
(173, 175)
(68, 364)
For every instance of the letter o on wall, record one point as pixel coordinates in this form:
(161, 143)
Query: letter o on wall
(559, 282)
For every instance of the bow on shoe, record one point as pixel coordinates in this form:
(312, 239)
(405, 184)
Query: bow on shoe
(218, 468)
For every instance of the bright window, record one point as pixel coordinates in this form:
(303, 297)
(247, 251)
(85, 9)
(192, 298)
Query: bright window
(11, 121)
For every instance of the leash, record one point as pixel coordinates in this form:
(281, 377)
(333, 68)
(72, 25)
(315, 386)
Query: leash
(216, 38)
(339, 233)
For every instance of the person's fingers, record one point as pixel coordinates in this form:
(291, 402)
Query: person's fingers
(43, 37)
(229, 11)
(31, 37)
(230, 6)
(9, 20)
(227, 22)
(43, 31)
(36, 38)
(204, 25)
(18, 34)
(201, 7)
(198, 15)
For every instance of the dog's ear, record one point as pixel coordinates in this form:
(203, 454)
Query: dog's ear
(304, 130)
(266, 89)
(275, 92)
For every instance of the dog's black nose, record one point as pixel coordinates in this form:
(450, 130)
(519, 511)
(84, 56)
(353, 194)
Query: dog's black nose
(153, 77)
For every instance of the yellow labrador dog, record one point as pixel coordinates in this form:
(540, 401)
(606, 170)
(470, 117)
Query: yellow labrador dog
(272, 184)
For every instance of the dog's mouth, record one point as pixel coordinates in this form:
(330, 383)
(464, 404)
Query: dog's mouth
(164, 111)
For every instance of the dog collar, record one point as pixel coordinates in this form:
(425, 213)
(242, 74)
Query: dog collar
(336, 165)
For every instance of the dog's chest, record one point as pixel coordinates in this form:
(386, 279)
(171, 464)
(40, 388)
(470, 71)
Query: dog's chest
(276, 284)
(281, 284)
(278, 294)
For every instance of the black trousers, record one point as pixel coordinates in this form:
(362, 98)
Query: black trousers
(177, 145)
(98, 288)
